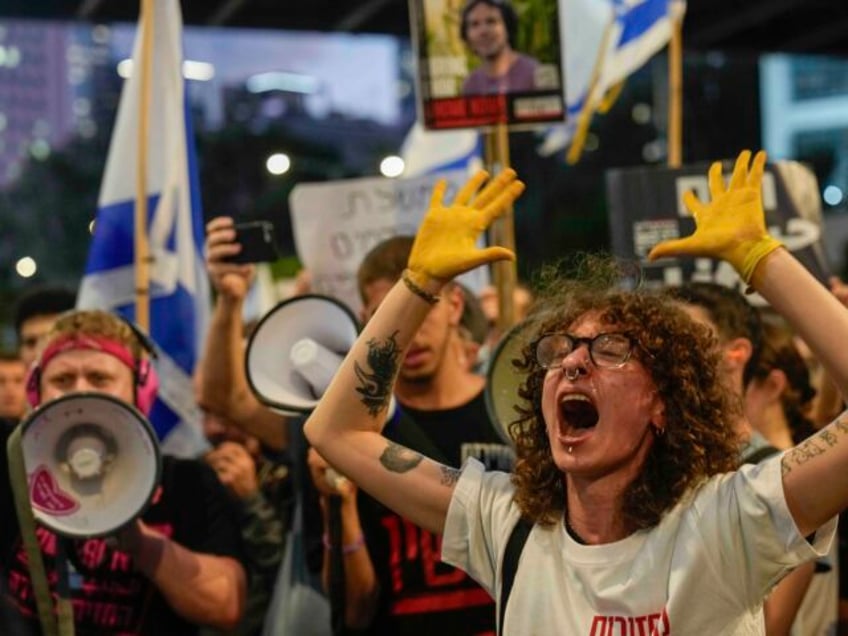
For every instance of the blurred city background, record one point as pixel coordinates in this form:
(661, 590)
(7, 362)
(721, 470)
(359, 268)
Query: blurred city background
(274, 107)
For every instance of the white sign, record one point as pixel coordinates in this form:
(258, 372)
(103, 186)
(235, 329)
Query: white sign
(335, 224)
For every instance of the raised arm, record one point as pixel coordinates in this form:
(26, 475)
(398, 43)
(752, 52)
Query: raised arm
(344, 426)
(223, 387)
(732, 227)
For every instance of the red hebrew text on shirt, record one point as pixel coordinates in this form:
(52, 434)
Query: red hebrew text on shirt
(649, 625)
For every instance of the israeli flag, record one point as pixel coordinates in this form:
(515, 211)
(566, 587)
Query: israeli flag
(641, 29)
(179, 296)
(430, 152)
(604, 42)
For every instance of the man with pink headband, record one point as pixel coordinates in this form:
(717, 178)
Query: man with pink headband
(174, 569)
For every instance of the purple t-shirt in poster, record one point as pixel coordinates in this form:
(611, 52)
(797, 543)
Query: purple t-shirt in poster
(519, 78)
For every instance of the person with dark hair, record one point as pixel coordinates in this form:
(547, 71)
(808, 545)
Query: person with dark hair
(224, 389)
(169, 571)
(297, 604)
(778, 397)
(738, 327)
(737, 323)
(777, 403)
(394, 582)
(625, 505)
(473, 330)
(35, 312)
(258, 482)
(13, 404)
(489, 28)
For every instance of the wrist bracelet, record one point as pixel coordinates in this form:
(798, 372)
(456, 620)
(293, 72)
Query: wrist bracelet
(346, 549)
(419, 291)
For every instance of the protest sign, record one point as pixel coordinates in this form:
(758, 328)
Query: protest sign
(486, 64)
(336, 223)
(646, 207)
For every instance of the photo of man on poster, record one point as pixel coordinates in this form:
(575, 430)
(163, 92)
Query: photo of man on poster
(484, 63)
(489, 28)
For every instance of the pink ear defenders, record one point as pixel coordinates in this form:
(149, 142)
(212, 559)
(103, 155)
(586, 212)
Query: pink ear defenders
(146, 379)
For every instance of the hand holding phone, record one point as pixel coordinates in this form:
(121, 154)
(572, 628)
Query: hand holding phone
(258, 243)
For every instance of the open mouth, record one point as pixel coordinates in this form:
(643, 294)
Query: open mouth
(578, 412)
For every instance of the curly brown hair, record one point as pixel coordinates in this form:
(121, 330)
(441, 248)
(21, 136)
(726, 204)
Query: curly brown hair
(682, 358)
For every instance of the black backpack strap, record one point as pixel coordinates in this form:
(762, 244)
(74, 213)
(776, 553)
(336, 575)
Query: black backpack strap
(764, 452)
(403, 429)
(517, 539)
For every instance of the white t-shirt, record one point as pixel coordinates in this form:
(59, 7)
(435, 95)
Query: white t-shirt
(703, 570)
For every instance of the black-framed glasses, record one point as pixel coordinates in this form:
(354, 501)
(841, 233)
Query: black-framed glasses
(608, 350)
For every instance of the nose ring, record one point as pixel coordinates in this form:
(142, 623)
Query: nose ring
(572, 374)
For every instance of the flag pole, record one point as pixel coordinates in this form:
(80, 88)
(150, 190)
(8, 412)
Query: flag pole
(584, 117)
(142, 246)
(675, 93)
(502, 230)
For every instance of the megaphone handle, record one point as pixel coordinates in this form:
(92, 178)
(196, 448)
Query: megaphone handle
(26, 523)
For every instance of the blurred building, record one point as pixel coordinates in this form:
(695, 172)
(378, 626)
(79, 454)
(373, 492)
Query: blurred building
(35, 97)
(56, 81)
(805, 117)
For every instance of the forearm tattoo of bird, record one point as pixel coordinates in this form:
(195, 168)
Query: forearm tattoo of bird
(375, 386)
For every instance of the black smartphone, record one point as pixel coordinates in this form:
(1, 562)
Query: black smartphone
(258, 243)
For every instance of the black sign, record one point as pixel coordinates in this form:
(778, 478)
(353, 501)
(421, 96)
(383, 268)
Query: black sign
(646, 207)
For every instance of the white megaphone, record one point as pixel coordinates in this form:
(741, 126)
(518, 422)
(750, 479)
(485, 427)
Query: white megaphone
(503, 379)
(296, 349)
(92, 464)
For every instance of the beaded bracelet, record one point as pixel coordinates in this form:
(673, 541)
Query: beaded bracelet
(419, 291)
(346, 549)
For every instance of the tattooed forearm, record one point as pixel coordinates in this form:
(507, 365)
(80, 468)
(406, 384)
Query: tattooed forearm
(828, 437)
(801, 454)
(375, 385)
(398, 459)
(814, 446)
(449, 476)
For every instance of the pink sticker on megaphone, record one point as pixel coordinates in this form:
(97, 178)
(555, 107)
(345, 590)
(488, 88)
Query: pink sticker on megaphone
(46, 495)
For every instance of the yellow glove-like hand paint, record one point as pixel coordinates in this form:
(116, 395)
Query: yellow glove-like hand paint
(445, 244)
(732, 225)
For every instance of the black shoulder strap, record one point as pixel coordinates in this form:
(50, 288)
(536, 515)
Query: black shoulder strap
(760, 454)
(512, 553)
(407, 432)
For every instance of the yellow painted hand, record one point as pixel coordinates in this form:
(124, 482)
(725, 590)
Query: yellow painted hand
(732, 225)
(446, 242)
